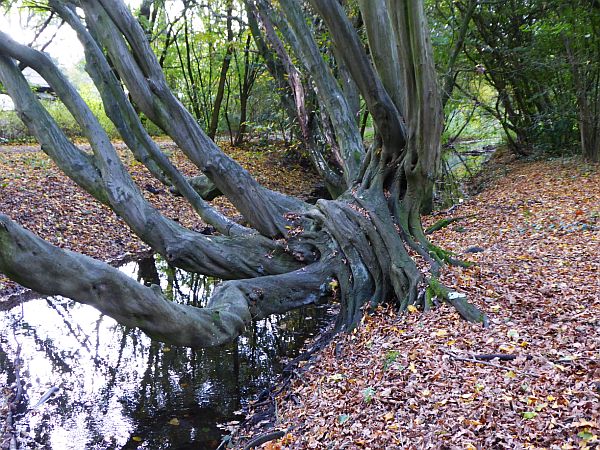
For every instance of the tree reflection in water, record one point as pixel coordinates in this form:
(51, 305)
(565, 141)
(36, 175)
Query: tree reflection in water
(120, 389)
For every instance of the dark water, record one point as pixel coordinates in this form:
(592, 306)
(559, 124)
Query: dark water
(121, 390)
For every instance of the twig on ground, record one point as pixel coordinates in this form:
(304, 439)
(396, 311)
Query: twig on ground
(485, 363)
(263, 438)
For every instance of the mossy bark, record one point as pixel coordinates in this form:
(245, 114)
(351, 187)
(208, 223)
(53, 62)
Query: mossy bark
(365, 242)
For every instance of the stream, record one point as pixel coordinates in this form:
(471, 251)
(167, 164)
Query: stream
(115, 388)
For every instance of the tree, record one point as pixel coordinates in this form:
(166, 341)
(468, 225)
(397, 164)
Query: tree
(540, 58)
(362, 244)
(580, 33)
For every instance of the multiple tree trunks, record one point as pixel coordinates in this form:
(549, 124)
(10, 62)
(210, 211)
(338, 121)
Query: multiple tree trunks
(360, 247)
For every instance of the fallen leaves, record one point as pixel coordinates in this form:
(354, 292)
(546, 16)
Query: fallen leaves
(36, 194)
(538, 278)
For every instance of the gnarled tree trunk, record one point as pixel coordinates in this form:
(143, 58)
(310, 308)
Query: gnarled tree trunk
(292, 253)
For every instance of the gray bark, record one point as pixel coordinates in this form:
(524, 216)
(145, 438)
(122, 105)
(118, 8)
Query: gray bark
(49, 270)
(360, 239)
(386, 117)
(105, 178)
(262, 208)
(348, 136)
(289, 78)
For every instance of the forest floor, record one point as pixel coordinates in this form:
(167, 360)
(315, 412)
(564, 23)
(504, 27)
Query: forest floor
(37, 195)
(419, 381)
(415, 380)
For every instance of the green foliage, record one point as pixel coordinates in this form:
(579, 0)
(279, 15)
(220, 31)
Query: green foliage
(519, 48)
(368, 394)
(12, 129)
(390, 358)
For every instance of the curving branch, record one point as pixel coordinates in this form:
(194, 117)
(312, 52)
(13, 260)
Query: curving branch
(289, 79)
(104, 177)
(299, 36)
(360, 239)
(116, 30)
(385, 114)
(125, 119)
(78, 165)
(50, 270)
(383, 50)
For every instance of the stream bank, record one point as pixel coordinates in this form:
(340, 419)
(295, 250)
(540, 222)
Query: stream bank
(115, 388)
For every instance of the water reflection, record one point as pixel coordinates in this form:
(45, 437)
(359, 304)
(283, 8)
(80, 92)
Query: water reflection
(120, 389)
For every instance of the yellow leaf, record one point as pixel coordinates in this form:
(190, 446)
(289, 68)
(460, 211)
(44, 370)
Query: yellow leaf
(174, 421)
(472, 423)
(137, 439)
(389, 416)
(441, 333)
(451, 342)
(167, 349)
(510, 374)
(585, 423)
(541, 406)
(412, 309)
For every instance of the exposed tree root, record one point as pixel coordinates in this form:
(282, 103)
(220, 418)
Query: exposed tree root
(263, 439)
(459, 301)
(264, 409)
(364, 239)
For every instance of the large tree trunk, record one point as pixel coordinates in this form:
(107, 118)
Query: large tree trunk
(357, 245)
(585, 81)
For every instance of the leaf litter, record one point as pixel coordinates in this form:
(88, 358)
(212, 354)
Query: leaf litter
(414, 380)
(36, 194)
(430, 381)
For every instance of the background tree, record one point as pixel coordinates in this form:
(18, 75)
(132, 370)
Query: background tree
(544, 87)
(290, 253)
(578, 24)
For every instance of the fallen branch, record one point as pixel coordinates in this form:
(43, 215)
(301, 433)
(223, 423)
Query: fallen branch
(264, 438)
(506, 357)
(459, 301)
(443, 223)
(500, 356)
(485, 363)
